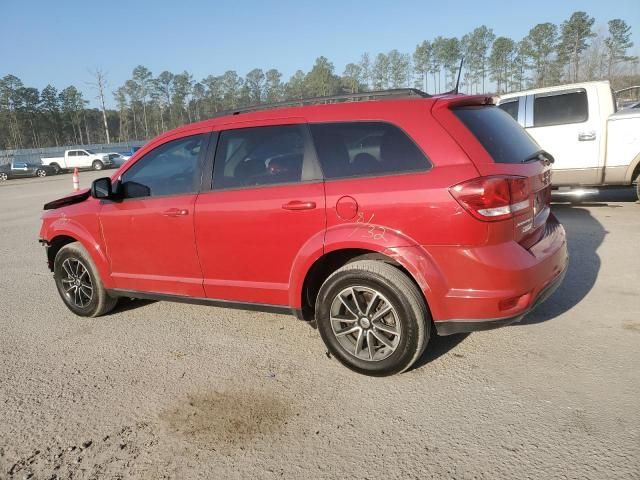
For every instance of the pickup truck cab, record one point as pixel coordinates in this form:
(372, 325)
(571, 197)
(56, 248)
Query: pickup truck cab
(79, 158)
(593, 145)
(24, 169)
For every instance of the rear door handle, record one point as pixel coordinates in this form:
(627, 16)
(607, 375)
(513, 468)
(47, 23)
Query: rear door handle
(586, 136)
(298, 205)
(176, 212)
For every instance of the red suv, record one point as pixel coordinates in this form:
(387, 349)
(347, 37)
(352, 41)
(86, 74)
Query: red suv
(380, 220)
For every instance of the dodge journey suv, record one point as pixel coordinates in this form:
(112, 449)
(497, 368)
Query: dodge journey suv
(382, 221)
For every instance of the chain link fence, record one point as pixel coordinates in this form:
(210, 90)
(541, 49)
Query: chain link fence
(33, 155)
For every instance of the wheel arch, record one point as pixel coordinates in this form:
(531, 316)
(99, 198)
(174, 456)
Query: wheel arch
(331, 261)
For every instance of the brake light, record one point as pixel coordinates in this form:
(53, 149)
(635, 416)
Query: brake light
(493, 198)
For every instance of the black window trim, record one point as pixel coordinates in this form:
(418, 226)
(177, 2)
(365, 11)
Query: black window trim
(200, 165)
(373, 175)
(308, 139)
(557, 93)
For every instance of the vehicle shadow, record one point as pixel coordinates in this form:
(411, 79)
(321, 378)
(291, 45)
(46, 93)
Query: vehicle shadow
(437, 347)
(585, 234)
(126, 304)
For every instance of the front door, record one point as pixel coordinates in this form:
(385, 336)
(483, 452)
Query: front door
(266, 203)
(149, 233)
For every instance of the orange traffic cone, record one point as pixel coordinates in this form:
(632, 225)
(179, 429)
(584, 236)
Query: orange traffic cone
(76, 180)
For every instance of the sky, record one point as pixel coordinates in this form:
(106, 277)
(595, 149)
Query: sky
(59, 42)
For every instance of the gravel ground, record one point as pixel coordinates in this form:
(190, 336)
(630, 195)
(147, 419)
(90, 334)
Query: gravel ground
(162, 390)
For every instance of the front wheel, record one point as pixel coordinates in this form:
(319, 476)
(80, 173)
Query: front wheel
(373, 318)
(41, 172)
(3, 177)
(79, 284)
(56, 168)
(97, 165)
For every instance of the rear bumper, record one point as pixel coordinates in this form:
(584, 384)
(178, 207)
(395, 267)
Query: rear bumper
(451, 327)
(492, 285)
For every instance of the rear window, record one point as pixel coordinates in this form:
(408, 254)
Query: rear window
(501, 136)
(360, 149)
(559, 109)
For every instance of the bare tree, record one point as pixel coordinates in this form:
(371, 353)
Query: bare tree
(100, 85)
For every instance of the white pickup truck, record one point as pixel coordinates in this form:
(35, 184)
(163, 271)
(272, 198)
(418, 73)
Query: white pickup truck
(593, 145)
(79, 158)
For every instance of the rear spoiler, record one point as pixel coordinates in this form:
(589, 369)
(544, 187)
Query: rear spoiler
(68, 200)
(451, 101)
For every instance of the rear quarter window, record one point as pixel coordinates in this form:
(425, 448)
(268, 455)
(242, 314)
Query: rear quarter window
(511, 107)
(500, 135)
(361, 149)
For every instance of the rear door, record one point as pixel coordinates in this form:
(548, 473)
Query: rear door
(566, 124)
(265, 204)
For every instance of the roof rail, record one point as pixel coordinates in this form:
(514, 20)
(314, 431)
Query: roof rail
(393, 93)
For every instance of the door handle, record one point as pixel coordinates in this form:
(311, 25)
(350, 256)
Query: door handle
(586, 136)
(176, 212)
(298, 205)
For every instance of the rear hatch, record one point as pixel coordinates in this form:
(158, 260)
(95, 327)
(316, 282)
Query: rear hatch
(514, 185)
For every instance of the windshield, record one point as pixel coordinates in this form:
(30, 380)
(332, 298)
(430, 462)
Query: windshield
(501, 136)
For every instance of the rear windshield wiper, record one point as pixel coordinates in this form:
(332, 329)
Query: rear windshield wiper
(541, 155)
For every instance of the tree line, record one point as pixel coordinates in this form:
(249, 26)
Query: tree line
(148, 104)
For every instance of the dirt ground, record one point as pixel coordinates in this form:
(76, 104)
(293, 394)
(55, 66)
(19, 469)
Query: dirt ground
(162, 390)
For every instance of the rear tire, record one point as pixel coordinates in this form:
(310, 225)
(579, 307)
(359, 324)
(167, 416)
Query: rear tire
(638, 189)
(3, 177)
(41, 172)
(79, 284)
(97, 165)
(373, 318)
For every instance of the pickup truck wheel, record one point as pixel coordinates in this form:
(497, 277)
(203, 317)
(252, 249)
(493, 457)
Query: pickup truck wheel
(373, 318)
(97, 165)
(41, 172)
(79, 284)
(3, 177)
(56, 168)
(638, 188)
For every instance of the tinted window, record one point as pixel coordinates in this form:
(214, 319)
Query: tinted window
(501, 136)
(359, 149)
(170, 169)
(511, 107)
(80, 153)
(19, 165)
(559, 109)
(248, 157)
(73, 153)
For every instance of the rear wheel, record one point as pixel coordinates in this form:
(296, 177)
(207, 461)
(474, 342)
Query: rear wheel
(3, 176)
(41, 172)
(373, 318)
(79, 284)
(97, 165)
(638, 188)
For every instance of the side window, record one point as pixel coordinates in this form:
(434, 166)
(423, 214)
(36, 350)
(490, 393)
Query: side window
(256, 156)
(558, 109)
(511, 107)
(170, 169)
(19, 165)
(73, 153)
(82, 153)
(358, 149)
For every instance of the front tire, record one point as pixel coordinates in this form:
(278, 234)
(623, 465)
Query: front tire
(79, 284)
(56, 168)
(97, 165)
(373, 318)
(3, 177)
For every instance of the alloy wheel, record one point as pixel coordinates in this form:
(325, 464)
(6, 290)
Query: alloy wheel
(77, 285)
(365, 323)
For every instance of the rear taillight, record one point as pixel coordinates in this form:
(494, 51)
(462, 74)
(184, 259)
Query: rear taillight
(493, 198)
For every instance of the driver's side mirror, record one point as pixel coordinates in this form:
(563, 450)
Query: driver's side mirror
(101, 188)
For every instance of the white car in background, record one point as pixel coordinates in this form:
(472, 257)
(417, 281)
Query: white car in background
(118, 159)
(78, 158)
(593, 146)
